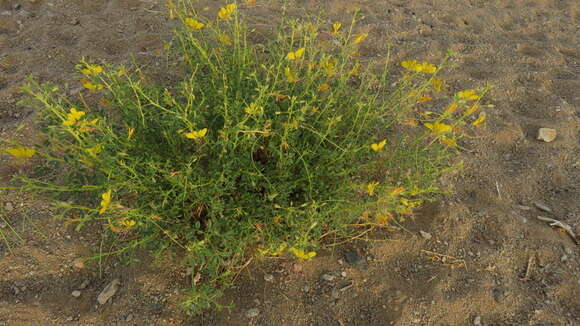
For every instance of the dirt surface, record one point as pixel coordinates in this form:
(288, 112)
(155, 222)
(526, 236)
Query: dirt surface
(486, 260)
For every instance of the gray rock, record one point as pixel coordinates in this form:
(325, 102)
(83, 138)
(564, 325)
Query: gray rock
(109, 291)
(76, 293)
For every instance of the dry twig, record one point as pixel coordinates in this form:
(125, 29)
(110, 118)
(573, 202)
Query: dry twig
(560, 224)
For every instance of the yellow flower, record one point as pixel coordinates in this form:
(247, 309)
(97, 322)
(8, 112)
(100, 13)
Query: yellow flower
(194, 24)
(276, 252)
(323, 87)
(295, 55)
(226, 12)
(425, 99)
(439, 128)
(92, 70)
(469, 94)
(301, 254)
(92, 87)
(472, 109)
(379, 146)
(449, 142)
(482, 117)
(335, 28)
(94, 151)
(329, 68)
(360, 38)
(196, 134)
(384, 218)
(73, 117)
(127, 223)
(427, 68)
(105, 202)
(451, 109)
(290, 75)
(130, 133)
(20, 152)
(371, 188)
(415, 66)
(397, 191)
(87, 125)
(254, 109)
(225, 39)
(437, 85)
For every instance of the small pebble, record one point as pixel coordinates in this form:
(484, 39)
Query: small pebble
(79, 263)
(76, 293)
(564, 258)
(426, 235)
(343, 274)
(9, 207)
(328, 277)
(547, 134)
(251, 313)
(477, 321)
(569, 251)
(109, 291)
(268, 277)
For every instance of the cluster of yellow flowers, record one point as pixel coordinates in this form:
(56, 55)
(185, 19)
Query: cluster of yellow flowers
(423, 67)
(20, 152)
(74, 118)
(298, 253)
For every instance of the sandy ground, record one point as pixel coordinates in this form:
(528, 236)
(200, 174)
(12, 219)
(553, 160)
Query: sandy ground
(498, 264)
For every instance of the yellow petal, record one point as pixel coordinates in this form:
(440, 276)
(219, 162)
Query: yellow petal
(336, 27)
(439, 128)
(105, 202)
(296, 54)
(227, 11)
(225, 39)
(409, 64)
(323, 87)
(360, 38)
(301, 254)
(196, 134)
(482, 117)
(371, 188)
(397, 191)
(20, 152)
(469, 94)
(290, 75)
(379, 146)
(194, 24)
(449, 142)
(438, 85)
(451, 109)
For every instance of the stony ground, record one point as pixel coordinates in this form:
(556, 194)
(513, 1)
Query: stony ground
(483, 257)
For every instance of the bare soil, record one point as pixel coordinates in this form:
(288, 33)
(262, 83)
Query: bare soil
(489, 260)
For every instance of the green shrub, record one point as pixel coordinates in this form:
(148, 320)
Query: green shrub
(258, 150)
